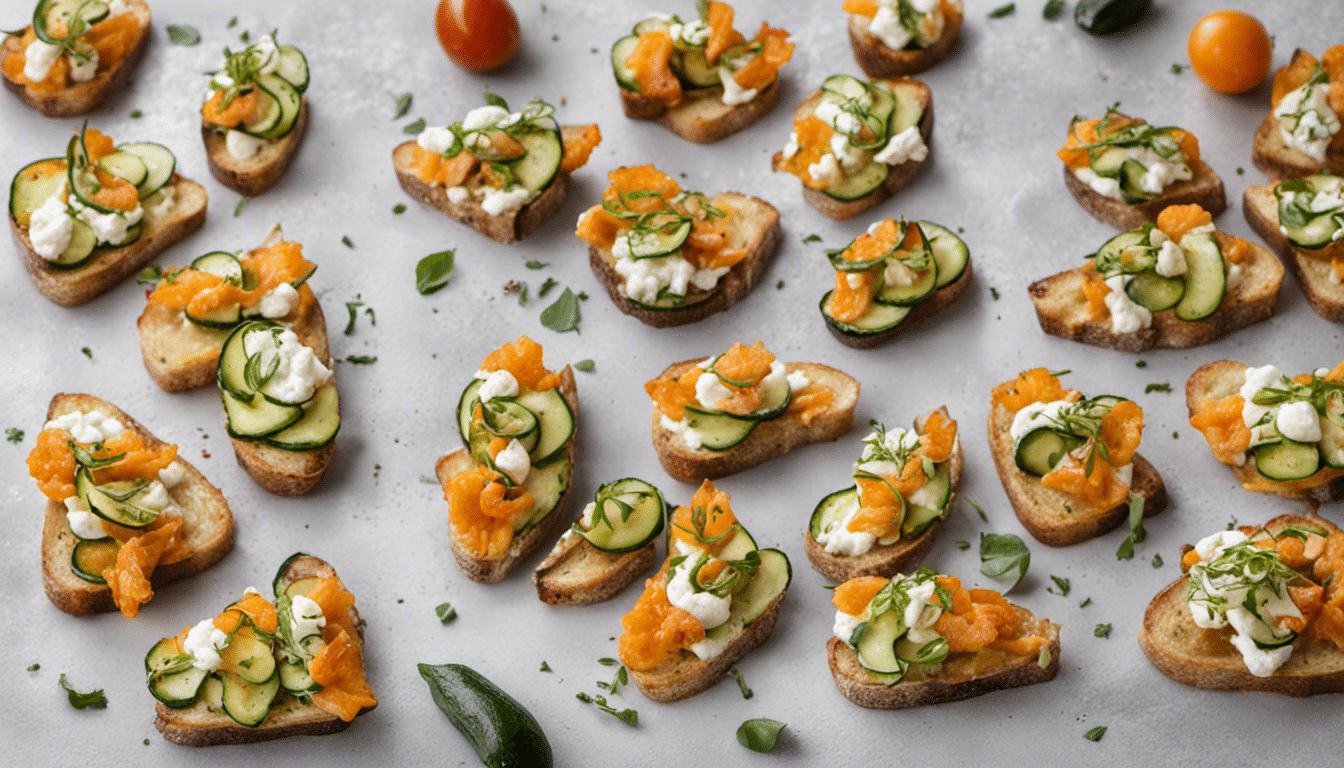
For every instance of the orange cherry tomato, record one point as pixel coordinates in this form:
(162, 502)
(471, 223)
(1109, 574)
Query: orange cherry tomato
(1230, 51)
(479, 35)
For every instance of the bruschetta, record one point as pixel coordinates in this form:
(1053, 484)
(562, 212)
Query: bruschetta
(1301, 135)
(669, 256)
(1069, 463)
(88, 220)
(124, 514)
(290, 665)
(1177, 283)
(922, 639)
(1303, 221)
(719, 415)
(501, 172)
(1256, 609)
(702, 79)
(508, 488)
(713, 600)
(1279, 435)
(1124, 171)
(892, 38)
(856, 143)
(75, 53)
(891, 277)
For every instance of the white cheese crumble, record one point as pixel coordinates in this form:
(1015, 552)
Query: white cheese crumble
(498, 201)
(242, 146)
(91, 427)
(514, 462)
(173, 474)
(1035, 415)
(1126, 316)
(38, 58)
(710, 391)
(435, 139)
(903, 147)
(1102, 185)
(84, 66)
(83, 522)
(496, 384)
(1170, 258)
(305, 618)
(886, 26)
(1299, 421)
(484, 117)
(118, 7)
(278, 302)
(1256, 380)
(734, 94)
(840, 540)
(204, 642)
(826, 170)
(111, 228)
(791, 148)
(646, 278)
(458, 194)
(1306, 121)
(798, 381)
(299, 372)
(50, 228)
(708, 609)
(689, 435)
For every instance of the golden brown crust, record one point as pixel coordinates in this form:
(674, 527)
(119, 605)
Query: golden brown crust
(1325, 296)
(258, 173)
(1056, 518)
(877, 60)
(940, 299)
(1279, 161)
(1205, 189)
(701, 117)
(578, 573)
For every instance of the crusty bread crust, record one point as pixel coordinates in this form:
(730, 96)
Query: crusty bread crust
(877, 60)
(701, 117)
(208, 525)
(755, 226)
(1312, 272)
(1206, 658)
(1056, 518)
(1205, 189)
(1222, 379)
(578, 573)
(887, 559)
(507, 227)
(898, 176)
(956, 679)
(258, 173)
(180, 354)
(685, 674)
(1277, 160)
(769, 439)
(1062, 310)
(940, 299)
(487, 571)
(197, 726)
(78, 98)
(109, 266)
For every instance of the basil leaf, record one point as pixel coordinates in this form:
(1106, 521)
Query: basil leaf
(585, 365)
(537, 264)
(563, 315)
(403, 106)
(1101, 630)
(1052, 10)
(1003, 10)
(495, 100)
(92, 700)
(446, 612)
(1003, 557)
(1095, 734)
(546, 287)
(183, 34)
(431, 274)
(238, 209)
(414, 128)
(1062, 583)
(759, 734)
(545, 667)
(979, 510)
(347, 241)
(607, 661)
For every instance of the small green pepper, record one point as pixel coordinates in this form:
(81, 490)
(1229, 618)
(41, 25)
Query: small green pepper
(501, 730)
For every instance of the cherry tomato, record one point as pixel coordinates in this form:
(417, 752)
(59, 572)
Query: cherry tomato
(1230, 51)
(477, 34)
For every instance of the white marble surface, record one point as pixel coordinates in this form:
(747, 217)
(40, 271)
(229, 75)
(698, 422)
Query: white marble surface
(1003, 99)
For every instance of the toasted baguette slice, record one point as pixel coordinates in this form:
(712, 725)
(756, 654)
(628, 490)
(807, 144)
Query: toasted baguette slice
(1279, 161)
(933, 304)
(578, 573)
(198, 726)
(1206, 658)
(898, 176)
(486, 570)
(962, 676)
(180, 354)
(1054, 517)
(207, 525)
(1062, 310)
(258, 173)
(1205, 190)
(109, 266)
(507, 227)
(887, 559)
(78, 98)
(877, 60)
(1222, 379)
(769, 439)
(702, 117)
(755, 227)
(1312, 273)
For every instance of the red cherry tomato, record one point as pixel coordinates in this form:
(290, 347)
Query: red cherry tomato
(1230, 51)
(479, 35)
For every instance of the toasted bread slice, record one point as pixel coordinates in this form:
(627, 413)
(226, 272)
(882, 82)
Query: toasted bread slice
(755, 228)
(1223, 379)
(1206, 658)
(1205, 190)
(962, 676)
(180, 354)
(258, 173)
(702, 117)
(769, 439)
(207, 525)
(578, 573)
(877, 60)
(109, 266)
(933, 304)
(1279, 161)
(78, 98)
(1054, 517)
(507, 227)
(1312, 273)
(487, 570)
(198, 726)
(1062, 310)
(898, 176)
(887, 559)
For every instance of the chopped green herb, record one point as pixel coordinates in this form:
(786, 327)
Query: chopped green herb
(238, 209)
(979, 510)
(583, 296)
(1043, 661)
(353, 308)
(962, 545)
(14, 435)
(585, 698)
(373, 319)
(431, 274)
(1062, 584)
(607, 661)
(245, 36)
(1141, 364)
(585, 365)
(1241, 171)
(34, 667)
(1086, 602)
(233, 22)
(1177, 69)
(812, 238)
(399, 208)
(1157, 560)
(779, 286)
(546, 287)
(361, 359)
(136, 114)
(522, 294)
(183, 34)
(1157, 387)
(1052, 10)
(414, 128)
(994, 292)
(759, 734)
(545, 667)
(1061, 372)
(538, 264)
(1004, 557)
(91, 700)
(346, 239)
(1003, 10)
(1101, 630)
(628, 716)
(742, 683)
(1136, 531)
(87, 352)
(403, 105)
(446, 612)
(426, 479)
(563, 314)
(146, 742)
(1095, 734)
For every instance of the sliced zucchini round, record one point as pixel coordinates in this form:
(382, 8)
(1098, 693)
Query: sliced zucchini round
(924, 282)
(91, 558)
(693, 69)
(1287, 460)
(82, 244)
(1205, 277)
(507, 419)
(620, 53)
(555, 423)
(248, 703)
(949, 251)
(776, 394)
(879, 318)
(719, 431)
(1155, 292)
(318, 425)
(248, 656)
(287, 98)
(293, 67)
(630, 524)
(877, 644)
(536, 170)
(220, 264)
(32, 186)
(867, 179)
(160, 164)
(1038, 451)
(265, 119)
(125, 165)
(124, 513)
(661, 239)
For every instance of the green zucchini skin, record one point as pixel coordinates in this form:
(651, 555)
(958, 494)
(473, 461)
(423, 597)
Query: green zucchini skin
(501, 730)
